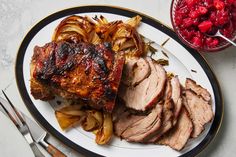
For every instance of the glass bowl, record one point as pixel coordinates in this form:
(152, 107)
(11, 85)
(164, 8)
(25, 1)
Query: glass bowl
(222, 44)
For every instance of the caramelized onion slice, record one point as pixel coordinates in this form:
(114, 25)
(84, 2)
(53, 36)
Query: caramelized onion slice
(134, 21)
(93, 120)
(104, 134)
(66, 121)
(69, 116)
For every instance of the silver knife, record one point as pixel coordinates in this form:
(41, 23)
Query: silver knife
(39, 136)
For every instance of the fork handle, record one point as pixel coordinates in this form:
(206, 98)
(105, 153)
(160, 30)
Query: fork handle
(54, 151)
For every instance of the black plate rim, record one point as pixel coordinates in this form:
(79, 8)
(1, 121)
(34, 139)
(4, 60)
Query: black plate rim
(129, 13)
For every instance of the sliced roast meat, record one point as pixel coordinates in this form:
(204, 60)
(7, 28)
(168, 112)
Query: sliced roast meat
(125, 121)
(123, 118)
(135, 71)
(178, 136)
(138, 131)
(200, 111)
(176, 97)
(145, 94)
(191, 84)
(167, 115)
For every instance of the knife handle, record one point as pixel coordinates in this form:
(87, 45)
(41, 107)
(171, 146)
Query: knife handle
(54, 151)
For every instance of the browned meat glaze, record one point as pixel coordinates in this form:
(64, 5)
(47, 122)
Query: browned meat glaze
(77, 71)
(145, 84)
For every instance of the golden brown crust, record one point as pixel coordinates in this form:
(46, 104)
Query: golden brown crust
(39, 91)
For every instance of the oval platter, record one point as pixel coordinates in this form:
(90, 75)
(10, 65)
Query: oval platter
(183, 61)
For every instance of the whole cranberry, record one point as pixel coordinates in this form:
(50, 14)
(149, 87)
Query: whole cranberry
(197, 41)
(222, 17)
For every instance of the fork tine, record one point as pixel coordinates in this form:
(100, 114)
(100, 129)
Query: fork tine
(10, 116)
(13, 107)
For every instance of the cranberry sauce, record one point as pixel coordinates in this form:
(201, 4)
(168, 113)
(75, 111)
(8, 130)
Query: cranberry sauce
(195, 18)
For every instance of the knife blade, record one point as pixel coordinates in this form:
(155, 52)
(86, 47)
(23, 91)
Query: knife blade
(38, 134)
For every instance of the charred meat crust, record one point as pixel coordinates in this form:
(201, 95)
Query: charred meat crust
(78, 71)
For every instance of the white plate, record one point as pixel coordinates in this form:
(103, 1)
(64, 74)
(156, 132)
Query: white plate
(183, 61)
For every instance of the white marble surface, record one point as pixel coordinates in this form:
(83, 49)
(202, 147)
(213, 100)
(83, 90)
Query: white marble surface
(18, 16)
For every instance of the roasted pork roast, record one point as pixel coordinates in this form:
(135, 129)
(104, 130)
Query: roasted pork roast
(82, 71)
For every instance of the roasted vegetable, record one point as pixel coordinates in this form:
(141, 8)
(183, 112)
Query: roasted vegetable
(66, 121)
(104, 134)
(123, 35)
(69, 116)
(76, 27)
(92, 121)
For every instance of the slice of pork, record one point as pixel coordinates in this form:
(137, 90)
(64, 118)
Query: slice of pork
(178, 136)
(138, 131)
(146, 93)
(176, 97)
(135, 71)
(167, 120)
(125, 121)
(191, 84)
(122, 118)
(200, 111)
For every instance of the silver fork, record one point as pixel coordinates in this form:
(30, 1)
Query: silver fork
(19, 122)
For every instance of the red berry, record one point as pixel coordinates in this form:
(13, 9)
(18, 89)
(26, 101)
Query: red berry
(202, 10)
(213, 17)
(222, 17)
(211, 42)
(178, 20)
(190, 3)
(187, 22)
(197, 41)
(183, 11)
(193, 14)
(219, 4)
(208, 3)
(196, 21)
(214, 43)
(187, 34)
(208, 41)
(205, 26)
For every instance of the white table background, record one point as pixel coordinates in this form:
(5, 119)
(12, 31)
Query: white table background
(18, 16)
